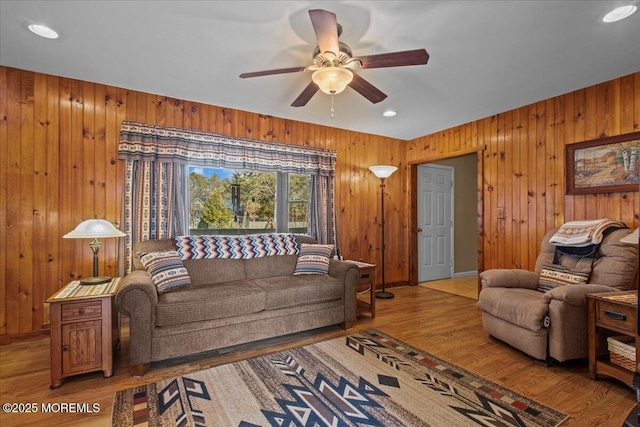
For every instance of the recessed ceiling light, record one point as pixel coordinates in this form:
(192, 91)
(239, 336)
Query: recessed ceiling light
(619, 13)
(389, 113)
(43, 31)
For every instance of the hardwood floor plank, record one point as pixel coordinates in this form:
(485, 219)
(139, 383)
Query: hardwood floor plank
(466, 286)
(446, 325)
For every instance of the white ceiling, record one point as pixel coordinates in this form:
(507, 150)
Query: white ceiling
(486, 56)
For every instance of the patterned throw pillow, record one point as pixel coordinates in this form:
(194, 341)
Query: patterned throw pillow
(553, 276)
(313, 259)
(166, 270)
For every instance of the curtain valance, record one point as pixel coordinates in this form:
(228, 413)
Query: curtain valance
(145, 142)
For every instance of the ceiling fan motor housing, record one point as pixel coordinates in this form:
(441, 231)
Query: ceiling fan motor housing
(322, 59)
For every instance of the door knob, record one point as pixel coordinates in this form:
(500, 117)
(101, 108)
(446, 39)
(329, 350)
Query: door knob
(419, 230)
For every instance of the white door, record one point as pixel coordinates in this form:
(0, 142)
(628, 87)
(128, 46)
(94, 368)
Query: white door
(435, 224)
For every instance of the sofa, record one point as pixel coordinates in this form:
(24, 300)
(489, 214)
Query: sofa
(552, 325)
(230, 301)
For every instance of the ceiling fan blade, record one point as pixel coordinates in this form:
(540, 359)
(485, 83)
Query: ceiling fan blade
(271, 72)
(325, 26)
(306, 95)
(366, 89)
(395, 59)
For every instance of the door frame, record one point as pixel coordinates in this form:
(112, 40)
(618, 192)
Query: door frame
(451, 216)
(413, 210)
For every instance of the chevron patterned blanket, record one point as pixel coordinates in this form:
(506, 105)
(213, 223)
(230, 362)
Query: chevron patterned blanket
(236, 247)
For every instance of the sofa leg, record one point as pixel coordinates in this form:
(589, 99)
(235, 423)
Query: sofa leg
(347, 325)
(546, 362)
(139, 370)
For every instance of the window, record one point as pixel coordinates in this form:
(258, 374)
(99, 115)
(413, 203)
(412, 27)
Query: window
(299, 189)
(224, 201)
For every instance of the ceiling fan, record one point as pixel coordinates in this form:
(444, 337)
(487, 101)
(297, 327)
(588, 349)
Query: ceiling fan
(333, 63)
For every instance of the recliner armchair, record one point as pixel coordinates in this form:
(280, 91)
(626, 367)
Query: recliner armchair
(515, 311)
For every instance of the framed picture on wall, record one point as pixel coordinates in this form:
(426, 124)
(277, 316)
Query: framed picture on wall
(605, 165)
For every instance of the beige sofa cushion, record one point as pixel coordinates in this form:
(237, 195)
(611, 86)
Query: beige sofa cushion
(269, 266)
(208, 271)
(289, 291)
(522, 307)
(197, 303)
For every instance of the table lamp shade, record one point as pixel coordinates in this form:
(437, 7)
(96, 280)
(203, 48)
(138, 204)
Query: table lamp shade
(94, 229)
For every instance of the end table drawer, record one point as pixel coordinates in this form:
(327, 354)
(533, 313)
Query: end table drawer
(81, 310)
(365, 276)
(616, 315)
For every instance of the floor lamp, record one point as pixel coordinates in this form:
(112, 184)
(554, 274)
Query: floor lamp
(383, 172)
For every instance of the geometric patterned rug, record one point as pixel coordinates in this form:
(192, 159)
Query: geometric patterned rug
(365, 379)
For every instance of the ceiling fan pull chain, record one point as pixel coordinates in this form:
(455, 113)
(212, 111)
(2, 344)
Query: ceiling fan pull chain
(332, 110)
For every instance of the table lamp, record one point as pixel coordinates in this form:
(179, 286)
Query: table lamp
(94, 229)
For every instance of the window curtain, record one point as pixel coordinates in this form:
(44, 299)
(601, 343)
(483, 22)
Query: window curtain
(156, 177)
(322, 225)
(153, 203)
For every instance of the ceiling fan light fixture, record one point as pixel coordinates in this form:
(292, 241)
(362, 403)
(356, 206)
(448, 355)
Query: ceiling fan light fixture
(332, 80)
(619, 13)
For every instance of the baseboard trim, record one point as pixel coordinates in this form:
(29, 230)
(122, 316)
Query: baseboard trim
(465, 274)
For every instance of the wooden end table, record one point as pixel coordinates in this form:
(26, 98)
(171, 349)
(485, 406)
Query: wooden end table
(364, 286)
(84, 330)
(610, 314)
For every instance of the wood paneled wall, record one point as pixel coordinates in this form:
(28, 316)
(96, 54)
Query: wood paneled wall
(58, 151)
(521, 173)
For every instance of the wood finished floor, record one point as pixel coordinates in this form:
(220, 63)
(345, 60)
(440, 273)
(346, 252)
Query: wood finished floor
(444, 324)
(466, 286)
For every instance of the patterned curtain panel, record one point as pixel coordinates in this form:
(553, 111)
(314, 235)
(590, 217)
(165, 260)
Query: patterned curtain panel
(156, 177)
(322, 217)
(153, 203)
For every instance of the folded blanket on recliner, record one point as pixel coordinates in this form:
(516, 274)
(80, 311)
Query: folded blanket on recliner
(584, 233)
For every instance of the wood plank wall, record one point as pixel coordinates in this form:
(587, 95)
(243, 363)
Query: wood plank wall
(522, 167)
(58, 151)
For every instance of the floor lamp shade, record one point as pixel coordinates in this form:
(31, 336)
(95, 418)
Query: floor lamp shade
(94, 229)
(383, 172)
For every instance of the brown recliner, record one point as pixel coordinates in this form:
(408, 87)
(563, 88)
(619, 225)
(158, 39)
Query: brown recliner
(514, 311)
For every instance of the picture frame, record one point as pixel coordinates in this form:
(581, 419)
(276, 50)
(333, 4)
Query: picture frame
(604, 165)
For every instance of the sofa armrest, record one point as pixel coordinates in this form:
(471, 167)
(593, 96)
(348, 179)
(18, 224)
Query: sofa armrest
(575, 294)
(349, 274)
(136, 289)
(509, 278)
(138, 298)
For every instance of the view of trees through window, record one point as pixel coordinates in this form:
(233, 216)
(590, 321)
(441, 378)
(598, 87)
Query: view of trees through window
(223, 201)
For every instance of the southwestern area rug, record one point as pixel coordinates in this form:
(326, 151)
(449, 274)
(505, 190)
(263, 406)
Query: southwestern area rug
(365, 379)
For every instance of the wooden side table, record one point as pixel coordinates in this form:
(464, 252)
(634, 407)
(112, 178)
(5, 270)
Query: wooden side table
(611, 313)
(365, 286)
(84, 330)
